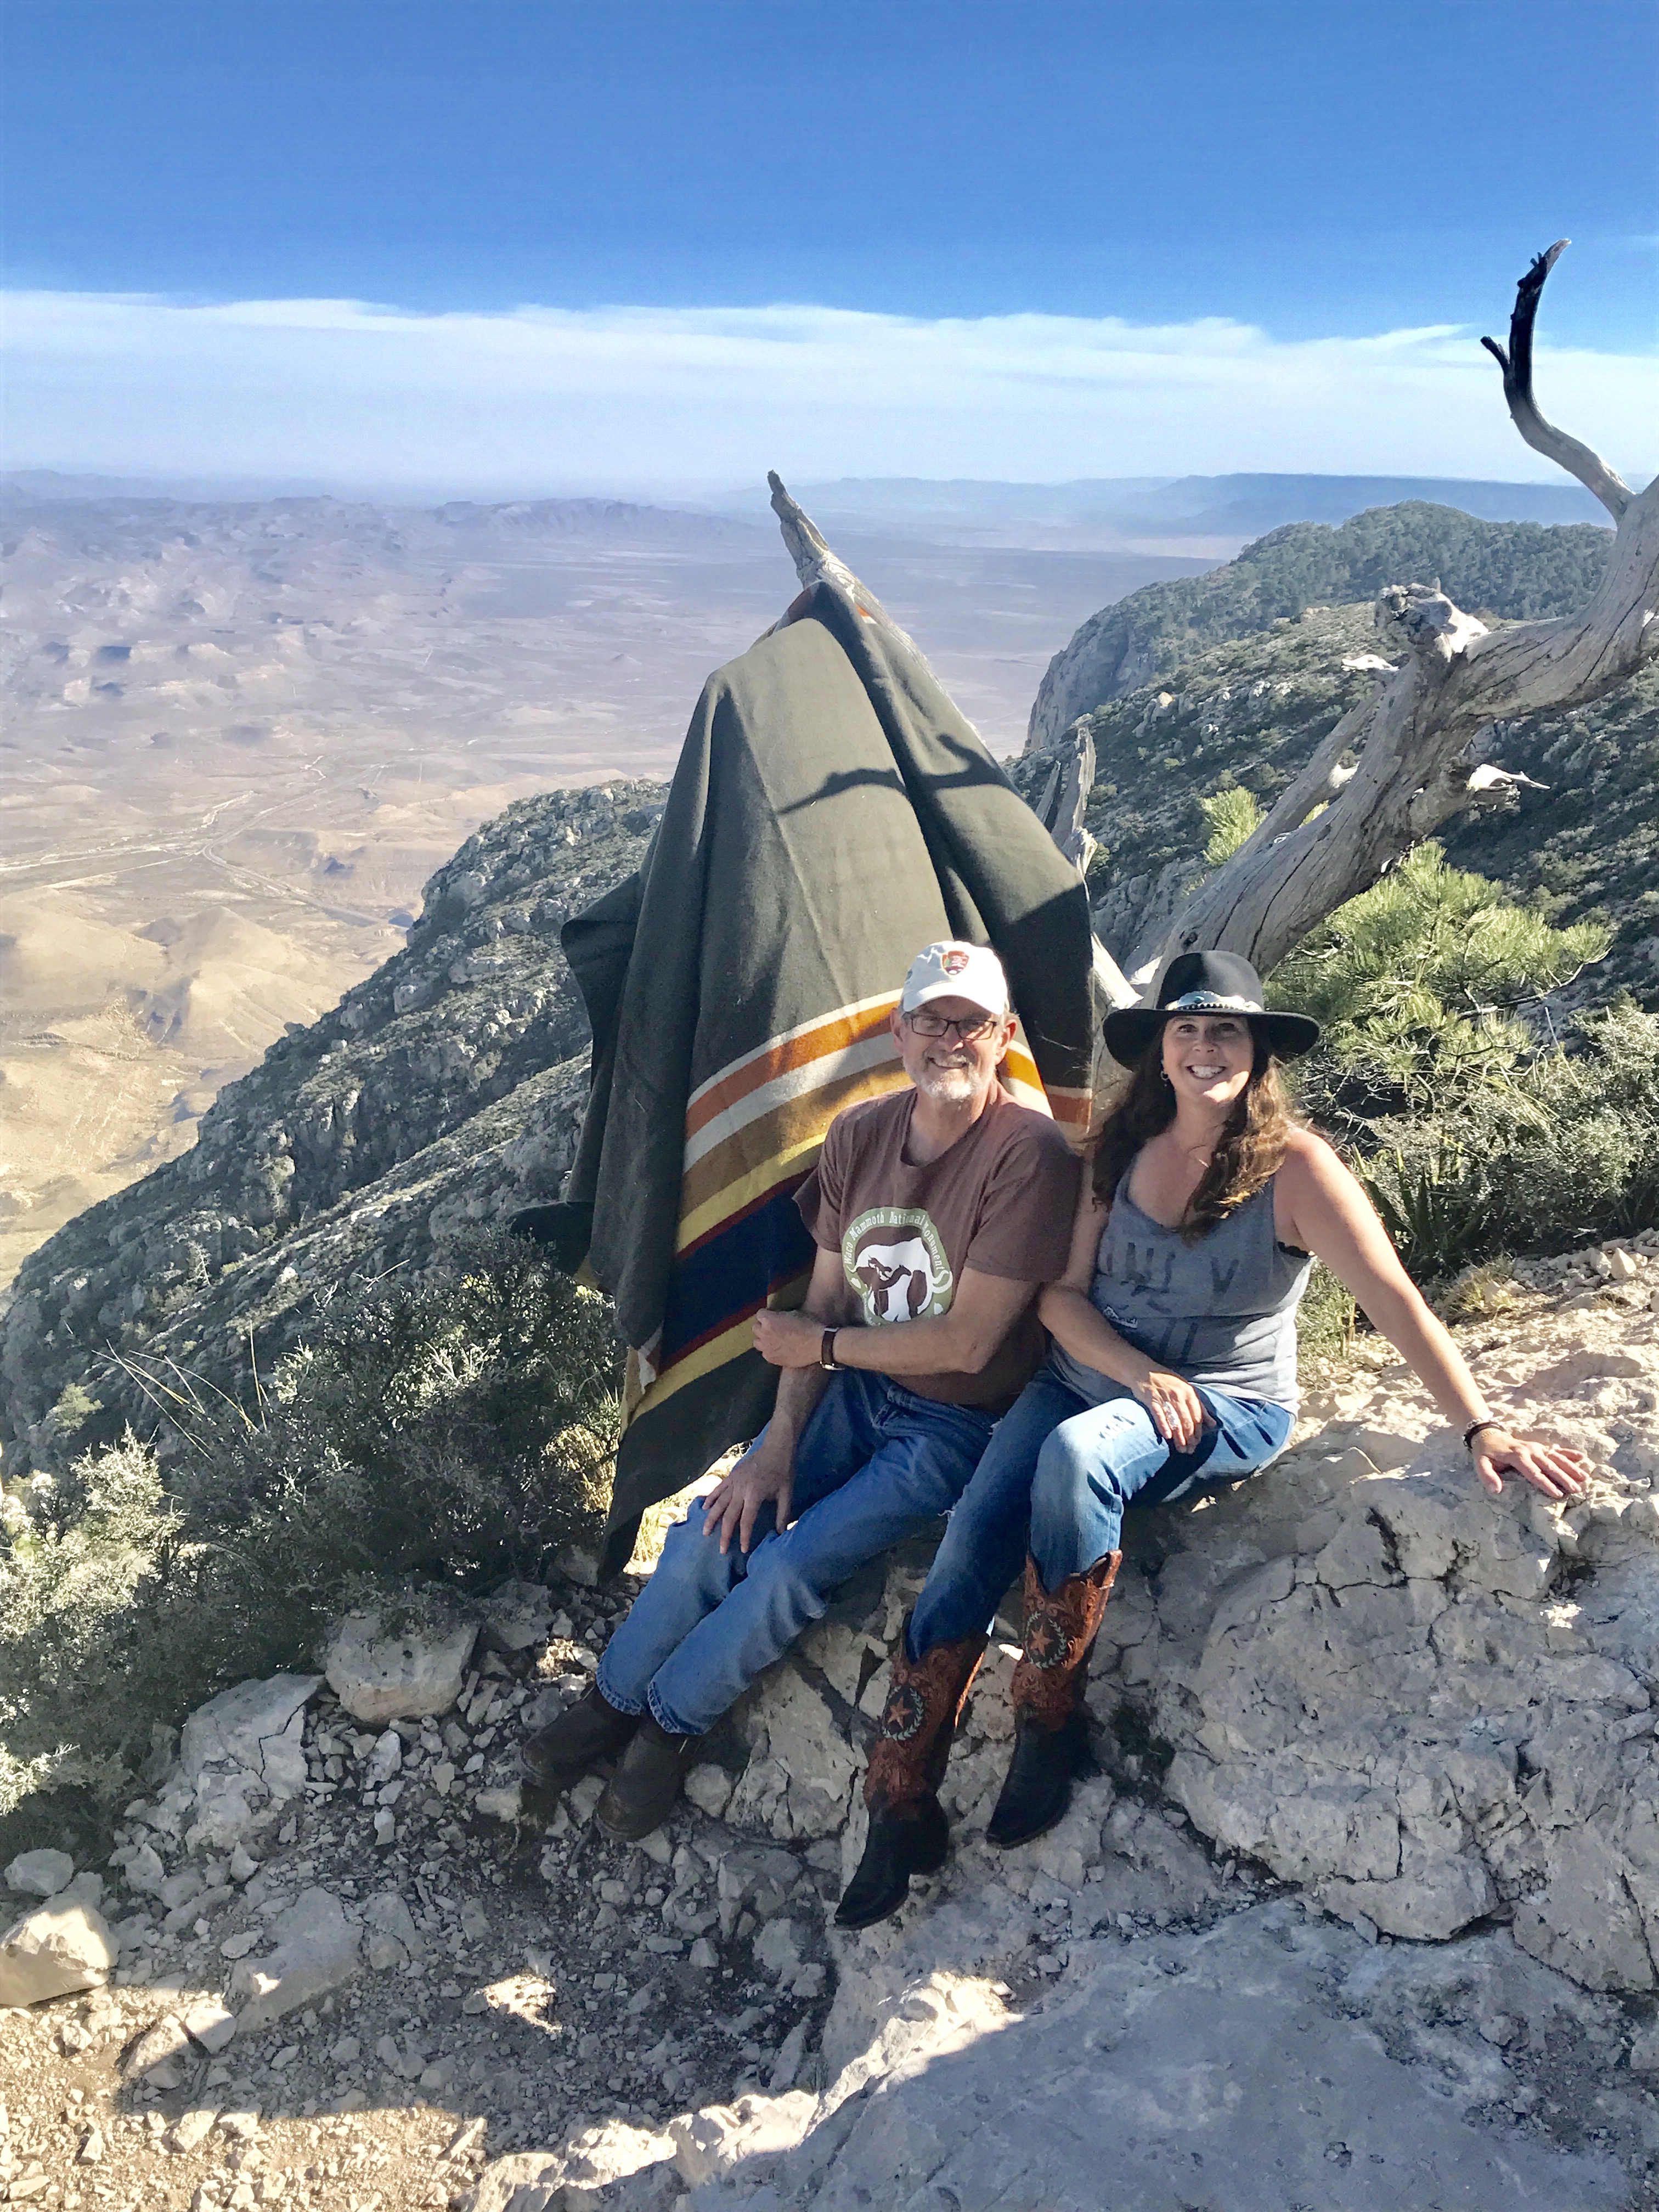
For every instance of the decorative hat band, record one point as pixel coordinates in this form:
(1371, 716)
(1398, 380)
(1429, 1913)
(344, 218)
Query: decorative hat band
(1211, 1001)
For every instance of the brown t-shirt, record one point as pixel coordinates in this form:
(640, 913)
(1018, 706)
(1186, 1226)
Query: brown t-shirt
(1001, 1200)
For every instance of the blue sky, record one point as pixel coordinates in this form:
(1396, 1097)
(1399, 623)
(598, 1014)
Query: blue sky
(941, 178)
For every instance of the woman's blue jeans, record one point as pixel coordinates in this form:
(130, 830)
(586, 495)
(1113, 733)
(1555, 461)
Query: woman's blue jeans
(876, 1463)
(1054, 1482)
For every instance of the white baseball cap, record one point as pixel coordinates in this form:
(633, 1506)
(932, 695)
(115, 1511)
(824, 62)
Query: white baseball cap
(952, 969)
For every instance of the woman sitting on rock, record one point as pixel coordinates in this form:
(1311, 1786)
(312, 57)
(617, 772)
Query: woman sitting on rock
(1173, 1364)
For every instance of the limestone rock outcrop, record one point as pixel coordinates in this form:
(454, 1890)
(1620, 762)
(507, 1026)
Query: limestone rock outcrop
(1424, 1703)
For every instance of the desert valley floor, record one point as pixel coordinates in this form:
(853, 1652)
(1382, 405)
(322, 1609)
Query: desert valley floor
(238, 739)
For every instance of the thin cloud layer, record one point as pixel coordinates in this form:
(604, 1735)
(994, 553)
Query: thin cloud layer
(619, 397)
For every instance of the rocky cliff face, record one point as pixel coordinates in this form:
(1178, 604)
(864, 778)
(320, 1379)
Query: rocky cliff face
(1515, 569)
(445, 1089)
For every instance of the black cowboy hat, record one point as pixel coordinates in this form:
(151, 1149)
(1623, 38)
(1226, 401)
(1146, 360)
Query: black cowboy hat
(1206, 983)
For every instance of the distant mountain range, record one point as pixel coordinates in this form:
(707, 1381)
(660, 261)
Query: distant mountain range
(75, 504)
(1227, 508)
(1105, 510)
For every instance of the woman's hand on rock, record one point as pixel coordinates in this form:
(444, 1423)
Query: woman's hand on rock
(1558, 1470)
(1176, 1409)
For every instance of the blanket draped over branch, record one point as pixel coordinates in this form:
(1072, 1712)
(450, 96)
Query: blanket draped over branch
(831, 813)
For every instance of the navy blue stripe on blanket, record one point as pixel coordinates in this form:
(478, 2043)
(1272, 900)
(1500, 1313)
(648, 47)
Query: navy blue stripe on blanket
(730, 1273)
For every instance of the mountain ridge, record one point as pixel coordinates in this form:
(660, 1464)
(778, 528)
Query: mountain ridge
(1518, 570)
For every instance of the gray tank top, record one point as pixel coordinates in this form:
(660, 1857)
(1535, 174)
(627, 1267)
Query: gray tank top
(1220, 1311)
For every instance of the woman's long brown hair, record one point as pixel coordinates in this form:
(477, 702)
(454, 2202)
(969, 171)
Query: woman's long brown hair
(1250, 1150)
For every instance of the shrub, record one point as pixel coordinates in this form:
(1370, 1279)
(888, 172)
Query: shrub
(1566, 1152)
(437, 1438)
(1232, 816)
(76, 1595)
(1417, 981)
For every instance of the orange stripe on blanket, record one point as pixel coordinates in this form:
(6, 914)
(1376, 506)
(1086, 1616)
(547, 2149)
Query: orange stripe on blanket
(828, 1033)
(783, 1141)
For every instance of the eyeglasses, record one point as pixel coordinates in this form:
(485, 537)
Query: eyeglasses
(972, 1028)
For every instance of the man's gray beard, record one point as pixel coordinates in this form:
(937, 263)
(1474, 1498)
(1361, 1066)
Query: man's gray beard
(951, 1087)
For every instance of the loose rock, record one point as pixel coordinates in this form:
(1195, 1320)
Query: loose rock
(40, 1873)
(317, 1950)
(243, 1756)
(381, 1675)
(49, 1954)
(157, 2046)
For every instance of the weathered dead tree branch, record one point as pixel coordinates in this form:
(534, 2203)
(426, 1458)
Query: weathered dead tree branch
(815, 563)
(1403, 762)
(1567, 453)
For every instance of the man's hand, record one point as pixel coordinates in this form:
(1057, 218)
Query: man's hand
(1176, 1409)
(787, 1339)
(1556, 1469)
(761, 1475)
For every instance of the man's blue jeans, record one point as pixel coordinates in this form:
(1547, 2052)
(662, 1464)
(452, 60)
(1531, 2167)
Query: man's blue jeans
(876, 1463)
(1054, 1482)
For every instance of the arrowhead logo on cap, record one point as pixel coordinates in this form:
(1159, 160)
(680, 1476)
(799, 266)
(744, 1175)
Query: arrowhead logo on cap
(953, 968)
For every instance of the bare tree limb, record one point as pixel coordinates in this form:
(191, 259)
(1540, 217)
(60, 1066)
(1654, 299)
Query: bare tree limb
(815, 563)
(1567, 453)
(1319, 781)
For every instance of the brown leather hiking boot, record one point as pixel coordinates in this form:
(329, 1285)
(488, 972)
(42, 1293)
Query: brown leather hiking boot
(1051, 1736)
(583, 1734)
(909, 1833)
(641, 1793)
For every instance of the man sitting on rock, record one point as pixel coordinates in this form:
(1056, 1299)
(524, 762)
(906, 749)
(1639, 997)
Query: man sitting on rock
(939, 1211)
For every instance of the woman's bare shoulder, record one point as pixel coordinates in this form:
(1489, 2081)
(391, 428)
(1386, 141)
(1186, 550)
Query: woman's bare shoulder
(1310, 1157)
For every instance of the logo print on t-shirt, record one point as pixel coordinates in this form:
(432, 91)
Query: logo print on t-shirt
(894, 1258)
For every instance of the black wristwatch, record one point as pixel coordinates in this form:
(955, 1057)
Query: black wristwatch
(827, 1359)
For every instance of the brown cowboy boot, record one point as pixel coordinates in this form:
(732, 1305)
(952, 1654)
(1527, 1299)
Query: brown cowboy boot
(1051, 1737)
(909, 1833)
(646, 1783)
(584, 1734)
